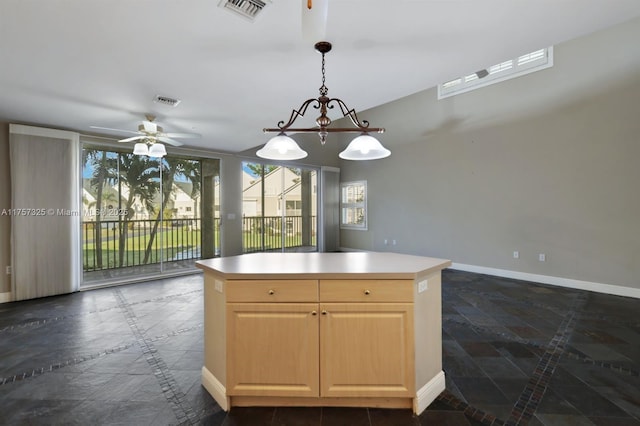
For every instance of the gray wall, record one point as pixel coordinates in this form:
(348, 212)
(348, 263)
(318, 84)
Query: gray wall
(544, 163)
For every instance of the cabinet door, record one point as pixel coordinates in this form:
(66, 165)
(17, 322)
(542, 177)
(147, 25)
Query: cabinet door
(366, 349)
(272, 349)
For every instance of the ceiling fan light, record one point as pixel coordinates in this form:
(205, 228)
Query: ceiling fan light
(281, 147)
(364, 147)
(157, 150)
(141, 149)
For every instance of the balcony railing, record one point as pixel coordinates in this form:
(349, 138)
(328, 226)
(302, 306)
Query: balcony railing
(180, 239)
(266, 233)
(175, 239)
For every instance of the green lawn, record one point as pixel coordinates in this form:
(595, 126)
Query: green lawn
(171, 242)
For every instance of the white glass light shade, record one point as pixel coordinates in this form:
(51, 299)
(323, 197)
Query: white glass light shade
(157, 150)
(141, 149)
(281, 147)
(364, 147)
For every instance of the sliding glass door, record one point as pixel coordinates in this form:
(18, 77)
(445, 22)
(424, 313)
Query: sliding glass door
(145, 216)
(279, 208)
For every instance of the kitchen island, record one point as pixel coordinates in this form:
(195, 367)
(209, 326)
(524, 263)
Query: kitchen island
(323, 329)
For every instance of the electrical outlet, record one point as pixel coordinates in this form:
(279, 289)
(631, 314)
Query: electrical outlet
(423, 286)
(542, 257)
(516, 255)
(8, 270)
(218, 286)
(386, 242)
(394, 242)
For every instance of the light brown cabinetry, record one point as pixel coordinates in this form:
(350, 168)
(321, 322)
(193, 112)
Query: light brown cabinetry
(272, 349)
(366, 349)
(357, 348)
(323, 329)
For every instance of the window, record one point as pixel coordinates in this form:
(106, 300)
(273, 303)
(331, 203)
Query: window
(279, 208)
(134, 221)
(353, 205)
(524, 64)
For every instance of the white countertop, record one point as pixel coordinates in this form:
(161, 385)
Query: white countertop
(349, 265)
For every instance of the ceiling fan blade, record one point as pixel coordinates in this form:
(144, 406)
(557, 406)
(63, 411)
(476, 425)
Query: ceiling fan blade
(182, 135)
(132, 138)
(169, 141)
(115, 130)
(150, 126)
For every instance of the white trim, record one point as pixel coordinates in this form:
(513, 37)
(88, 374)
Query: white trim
(557, 281)
(215, 388)
(355, 204)
(348, 249)
(20, 129)
(428, 393)
(5, 297)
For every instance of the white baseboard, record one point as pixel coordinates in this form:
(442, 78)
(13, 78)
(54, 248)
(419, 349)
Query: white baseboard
(5, 297)
(546, 279)
(215, 388)
(428, 393)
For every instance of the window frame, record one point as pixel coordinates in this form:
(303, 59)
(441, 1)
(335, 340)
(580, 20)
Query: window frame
(350, 205)
(505, 70)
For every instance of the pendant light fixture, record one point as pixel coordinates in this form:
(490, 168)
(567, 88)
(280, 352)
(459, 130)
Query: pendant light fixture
(363, 147)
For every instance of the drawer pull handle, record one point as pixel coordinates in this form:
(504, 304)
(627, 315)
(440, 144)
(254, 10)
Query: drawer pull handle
(271, 292)
(324, 312)
(367, 292)
(314, 313)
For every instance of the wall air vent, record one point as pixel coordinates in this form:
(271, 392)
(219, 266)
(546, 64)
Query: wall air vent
(165, 100)
(248, 9)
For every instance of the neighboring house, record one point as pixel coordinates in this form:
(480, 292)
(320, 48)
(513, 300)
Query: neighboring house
(88, 201)
(182, 205)
(282, 194)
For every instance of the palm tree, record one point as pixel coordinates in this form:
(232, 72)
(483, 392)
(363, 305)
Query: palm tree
(103, 173)
(173, 168)
(139, 177)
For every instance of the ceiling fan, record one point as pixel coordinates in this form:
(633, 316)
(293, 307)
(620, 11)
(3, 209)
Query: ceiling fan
(149, 132)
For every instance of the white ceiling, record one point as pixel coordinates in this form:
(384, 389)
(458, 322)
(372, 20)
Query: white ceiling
(74, 64)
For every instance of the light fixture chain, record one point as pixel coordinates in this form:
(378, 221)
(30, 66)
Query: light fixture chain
(323, 89)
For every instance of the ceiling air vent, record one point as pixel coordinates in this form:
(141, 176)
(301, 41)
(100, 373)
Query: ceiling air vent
(248, 9)
(165, 100)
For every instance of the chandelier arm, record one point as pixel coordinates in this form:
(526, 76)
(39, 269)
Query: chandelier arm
(328, 130)
(351, 113)
(297, 113)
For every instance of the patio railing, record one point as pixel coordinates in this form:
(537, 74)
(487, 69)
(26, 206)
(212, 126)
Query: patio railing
(180, 239)
(175, 239)
(266, 233)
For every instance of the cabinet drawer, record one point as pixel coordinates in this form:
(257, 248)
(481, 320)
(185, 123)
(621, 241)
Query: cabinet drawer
(366, 290)
(272, 291)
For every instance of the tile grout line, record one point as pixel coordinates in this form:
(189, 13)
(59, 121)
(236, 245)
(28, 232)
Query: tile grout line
(535, 389)
(469, 411)
(569, 352)
(35, 372)
(65, 317)
(172, 392)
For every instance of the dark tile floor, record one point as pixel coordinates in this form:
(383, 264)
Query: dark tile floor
(514, 353)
